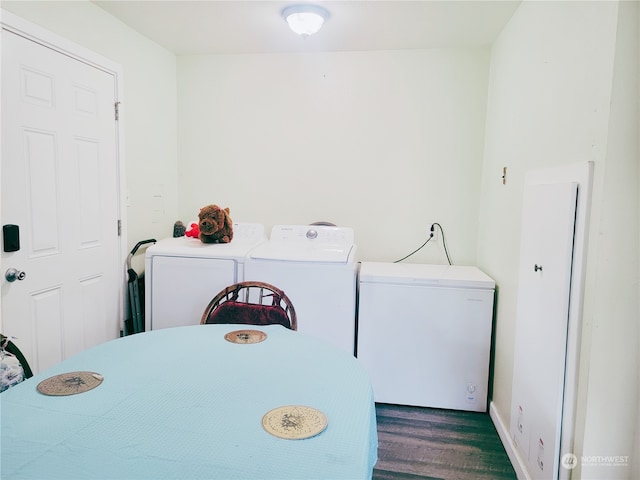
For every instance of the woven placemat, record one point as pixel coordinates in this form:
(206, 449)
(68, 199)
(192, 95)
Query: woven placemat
(245, 336)
(70, 383)
(294, 422)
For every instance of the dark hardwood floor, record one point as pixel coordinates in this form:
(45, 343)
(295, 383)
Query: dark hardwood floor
(423, 443)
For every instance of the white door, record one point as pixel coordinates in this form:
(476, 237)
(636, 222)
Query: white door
(546, 253)
(60, 187)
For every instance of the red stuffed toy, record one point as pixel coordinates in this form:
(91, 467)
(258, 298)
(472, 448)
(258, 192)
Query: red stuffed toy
(193, 231)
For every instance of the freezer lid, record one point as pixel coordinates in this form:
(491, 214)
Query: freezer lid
(425, 275)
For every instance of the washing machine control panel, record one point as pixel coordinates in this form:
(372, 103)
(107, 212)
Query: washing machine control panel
(316, 234)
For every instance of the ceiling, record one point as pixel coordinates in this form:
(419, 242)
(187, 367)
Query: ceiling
(256, 26)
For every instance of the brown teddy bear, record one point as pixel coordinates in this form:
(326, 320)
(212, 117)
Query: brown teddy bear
(215, 225)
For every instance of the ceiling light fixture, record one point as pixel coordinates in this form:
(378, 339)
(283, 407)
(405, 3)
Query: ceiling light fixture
(305, 20)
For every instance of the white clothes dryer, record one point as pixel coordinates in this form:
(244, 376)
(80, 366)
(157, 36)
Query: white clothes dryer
(315, 266)
(183, 274)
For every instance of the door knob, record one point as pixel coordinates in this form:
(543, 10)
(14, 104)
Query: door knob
(13, 274)
(537, 268)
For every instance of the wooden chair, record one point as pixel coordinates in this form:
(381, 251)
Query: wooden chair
(11, 347)
(253, 303)
(13, 370)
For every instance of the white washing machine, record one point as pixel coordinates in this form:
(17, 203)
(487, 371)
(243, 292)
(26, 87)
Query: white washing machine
(183, 274)
(315, 266)
(424, 334)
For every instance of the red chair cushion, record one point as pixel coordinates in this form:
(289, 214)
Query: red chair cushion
(249, 313)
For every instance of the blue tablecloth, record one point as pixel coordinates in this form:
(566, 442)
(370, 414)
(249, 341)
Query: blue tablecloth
(183, 403)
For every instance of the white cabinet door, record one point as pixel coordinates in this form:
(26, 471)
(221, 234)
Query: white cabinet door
(178, 289)
(60, 186)
(546, 252)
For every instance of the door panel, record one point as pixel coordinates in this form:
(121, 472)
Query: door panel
(40, 159)
(46, 312)
(60, 185)
(546, 252)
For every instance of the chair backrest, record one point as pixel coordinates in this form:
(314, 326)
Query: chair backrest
(253, 303)
(14, 366)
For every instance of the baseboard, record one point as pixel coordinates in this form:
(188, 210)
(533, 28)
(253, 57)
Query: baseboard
(507, 442)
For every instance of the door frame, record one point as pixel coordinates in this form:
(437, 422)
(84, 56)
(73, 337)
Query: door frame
(19, 26)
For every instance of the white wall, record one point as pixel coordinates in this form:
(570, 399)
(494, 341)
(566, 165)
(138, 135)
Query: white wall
(614, 315)
(636, 459)
(385, 142)
(392, 141)
(545, 102)
(149, 106)
(562, 90)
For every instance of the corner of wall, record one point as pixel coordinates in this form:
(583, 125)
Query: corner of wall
(512, 452)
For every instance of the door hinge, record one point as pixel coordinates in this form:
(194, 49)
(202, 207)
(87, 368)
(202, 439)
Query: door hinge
(119, 227)
(116, 106)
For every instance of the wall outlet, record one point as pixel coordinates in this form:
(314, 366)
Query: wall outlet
(540, 459)
(434, 231)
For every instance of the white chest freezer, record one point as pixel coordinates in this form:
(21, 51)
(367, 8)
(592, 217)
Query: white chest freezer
(424, 333)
